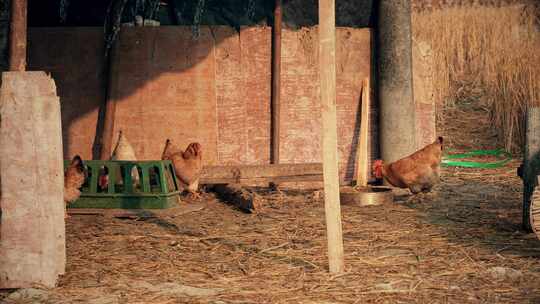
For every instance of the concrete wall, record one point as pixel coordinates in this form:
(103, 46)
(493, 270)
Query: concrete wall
(215, 90)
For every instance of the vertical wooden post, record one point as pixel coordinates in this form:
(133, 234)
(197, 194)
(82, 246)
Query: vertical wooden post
(17, 36)
(362, 153)
(276, 83)
(327, 67)
(110, 105)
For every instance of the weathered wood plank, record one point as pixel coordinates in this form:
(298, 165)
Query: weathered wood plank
(17, 35)
(327, 64)
(240, 197)
(261, 173)
(362, 156)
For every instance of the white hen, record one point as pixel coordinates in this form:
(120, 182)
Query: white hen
(124, 151)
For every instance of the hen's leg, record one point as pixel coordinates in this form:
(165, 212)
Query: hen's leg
(427, 188)
(193, 190)
(415, 189)
(194, 194)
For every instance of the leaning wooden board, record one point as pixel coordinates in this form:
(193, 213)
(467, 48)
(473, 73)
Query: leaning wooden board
(362, 157)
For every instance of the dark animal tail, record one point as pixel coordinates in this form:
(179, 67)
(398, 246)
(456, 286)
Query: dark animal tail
(165, 153)
(76, 160)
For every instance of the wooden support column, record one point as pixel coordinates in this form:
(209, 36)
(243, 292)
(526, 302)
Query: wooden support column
(327, 67)
(17, 36)
(276, 84)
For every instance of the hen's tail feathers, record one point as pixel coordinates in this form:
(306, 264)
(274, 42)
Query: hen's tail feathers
(76, 160)
(166, 153)
(77, 163)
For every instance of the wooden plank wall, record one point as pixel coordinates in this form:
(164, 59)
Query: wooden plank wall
(165, 88)
(215, 90)
(74, 57)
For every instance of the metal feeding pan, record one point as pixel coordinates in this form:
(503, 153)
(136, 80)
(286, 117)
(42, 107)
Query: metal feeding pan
(366, 196)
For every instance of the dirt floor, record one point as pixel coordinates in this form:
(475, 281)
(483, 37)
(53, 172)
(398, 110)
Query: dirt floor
(460, 244)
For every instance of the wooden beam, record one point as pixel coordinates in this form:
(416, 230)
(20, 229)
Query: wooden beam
(276, 81)
(362, 153)
(327, 67)
(276, 86)
(17, 35)
(261, 173)
(240, 197)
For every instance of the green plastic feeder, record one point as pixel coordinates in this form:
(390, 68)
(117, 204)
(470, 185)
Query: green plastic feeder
(157, 187)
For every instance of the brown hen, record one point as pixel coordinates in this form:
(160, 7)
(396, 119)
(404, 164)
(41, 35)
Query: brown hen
(419, 171)
(73, 180)
(187, 164)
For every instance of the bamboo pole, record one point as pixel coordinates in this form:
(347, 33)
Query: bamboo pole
(327, 67)
(17, 36)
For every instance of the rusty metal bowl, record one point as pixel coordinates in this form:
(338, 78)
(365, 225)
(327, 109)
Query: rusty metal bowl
(366, 196)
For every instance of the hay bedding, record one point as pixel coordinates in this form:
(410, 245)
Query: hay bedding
(461, 244)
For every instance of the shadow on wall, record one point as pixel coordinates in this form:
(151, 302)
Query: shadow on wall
(157, 73)
(138, 65)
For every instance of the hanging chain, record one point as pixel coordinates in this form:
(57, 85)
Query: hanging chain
(250, 10)
(64, 4)
(199, 10)
(137, 4)
(153, 10)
